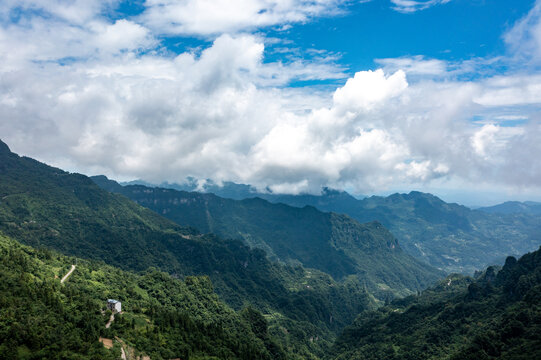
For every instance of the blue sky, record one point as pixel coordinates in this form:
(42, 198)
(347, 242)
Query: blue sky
(370, 96)
(458, 30)
(364, 31)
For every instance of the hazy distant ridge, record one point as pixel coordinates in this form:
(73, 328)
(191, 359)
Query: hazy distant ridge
(514, 207)
(449, 236)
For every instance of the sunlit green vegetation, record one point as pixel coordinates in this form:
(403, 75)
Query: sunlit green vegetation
(496, 316)
(162, 317)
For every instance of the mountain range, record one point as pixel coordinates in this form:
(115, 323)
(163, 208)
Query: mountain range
(247, 279)
(47, 208)
(333, 243)
(450, 237)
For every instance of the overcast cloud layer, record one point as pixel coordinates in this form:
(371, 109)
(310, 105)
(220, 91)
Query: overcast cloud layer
(87, 93)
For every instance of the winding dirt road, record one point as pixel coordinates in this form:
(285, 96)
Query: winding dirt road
(68, 274)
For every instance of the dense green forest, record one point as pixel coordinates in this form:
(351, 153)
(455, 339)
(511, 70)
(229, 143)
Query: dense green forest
(46, 207)
(162, 317)
(333, 243)
(495, 316)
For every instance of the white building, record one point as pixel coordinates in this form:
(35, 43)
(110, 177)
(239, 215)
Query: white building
(114, 305)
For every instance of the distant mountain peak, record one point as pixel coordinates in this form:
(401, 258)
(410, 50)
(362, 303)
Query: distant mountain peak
(411, 196)
(100, 177)
(419, 194)
(106, 183)
(330, 191)
(4, 148)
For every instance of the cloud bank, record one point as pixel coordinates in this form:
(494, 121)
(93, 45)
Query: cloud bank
(88, 93)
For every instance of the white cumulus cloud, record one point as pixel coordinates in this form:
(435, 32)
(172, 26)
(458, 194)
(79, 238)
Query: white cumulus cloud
(86, 93)
(209, 17)
(367, 89)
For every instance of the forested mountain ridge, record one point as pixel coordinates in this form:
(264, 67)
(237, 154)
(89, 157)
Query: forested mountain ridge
(333, 243)
(497, 316)
(226, 189)
(445, 235)
(43, 206)
(330, 200)
(162, 317)
(326, 201)
(450, 236)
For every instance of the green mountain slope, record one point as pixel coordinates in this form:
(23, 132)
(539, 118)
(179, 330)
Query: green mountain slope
(447, 236)
(335, 244)
(43, 206)
(162, 317)
(450, 236)
(497, 316)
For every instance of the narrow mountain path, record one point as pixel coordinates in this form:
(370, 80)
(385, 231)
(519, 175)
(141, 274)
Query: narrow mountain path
(123, 353)
(111, 319)
(68, 274)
